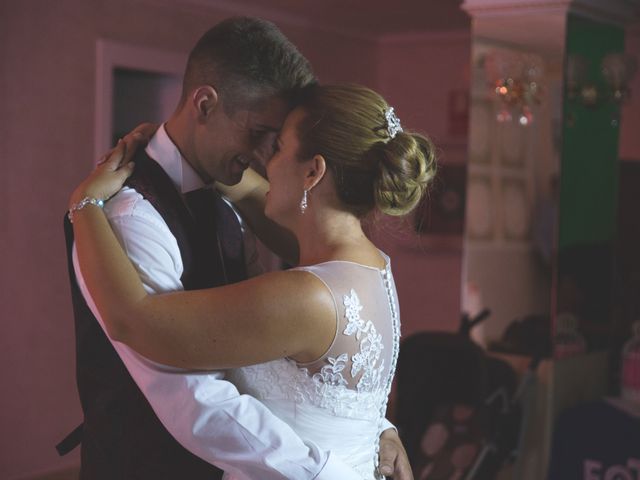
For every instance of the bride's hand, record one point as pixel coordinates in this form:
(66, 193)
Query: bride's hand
(107, 178)
(115, 167)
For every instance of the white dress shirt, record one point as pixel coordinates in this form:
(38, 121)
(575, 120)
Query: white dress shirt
(204, 412)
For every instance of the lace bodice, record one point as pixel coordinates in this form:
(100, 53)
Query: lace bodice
(339, 401)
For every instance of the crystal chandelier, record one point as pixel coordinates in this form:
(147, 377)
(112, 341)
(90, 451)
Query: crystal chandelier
(515, 80)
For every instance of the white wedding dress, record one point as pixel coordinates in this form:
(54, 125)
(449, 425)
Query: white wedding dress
(339, 401)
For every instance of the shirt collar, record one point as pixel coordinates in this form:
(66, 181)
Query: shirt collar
(162, 149)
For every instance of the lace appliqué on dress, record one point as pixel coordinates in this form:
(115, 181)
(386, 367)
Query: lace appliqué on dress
(331, 374)
(370, 346)
(330, 388)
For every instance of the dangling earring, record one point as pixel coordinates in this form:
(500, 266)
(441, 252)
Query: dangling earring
(304, 202)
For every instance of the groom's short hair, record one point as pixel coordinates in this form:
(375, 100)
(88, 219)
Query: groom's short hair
(247, 60)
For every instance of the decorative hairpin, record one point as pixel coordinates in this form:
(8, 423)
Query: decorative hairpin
(393, 122)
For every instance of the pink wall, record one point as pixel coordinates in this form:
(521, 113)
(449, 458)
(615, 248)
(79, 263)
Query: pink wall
(47, 85)
(416, 73)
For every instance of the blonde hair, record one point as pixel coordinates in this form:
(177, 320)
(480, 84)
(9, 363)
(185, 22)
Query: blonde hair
(346, 124)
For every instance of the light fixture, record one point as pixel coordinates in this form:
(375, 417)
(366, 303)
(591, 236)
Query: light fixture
(611, 86)
(515, 81)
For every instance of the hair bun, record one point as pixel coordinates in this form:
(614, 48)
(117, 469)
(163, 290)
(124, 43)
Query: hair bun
(407, 163)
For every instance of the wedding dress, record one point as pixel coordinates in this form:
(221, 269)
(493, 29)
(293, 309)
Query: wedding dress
(339, 401)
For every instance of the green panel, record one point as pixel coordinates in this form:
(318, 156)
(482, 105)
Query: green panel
(589, 165)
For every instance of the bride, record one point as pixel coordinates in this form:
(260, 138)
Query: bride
(317, 343)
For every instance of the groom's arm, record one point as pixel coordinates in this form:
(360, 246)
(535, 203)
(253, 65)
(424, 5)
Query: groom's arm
(249, 197)
(204, 412)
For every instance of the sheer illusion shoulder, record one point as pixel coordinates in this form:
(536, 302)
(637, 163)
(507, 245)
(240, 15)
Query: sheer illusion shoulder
(339, 401)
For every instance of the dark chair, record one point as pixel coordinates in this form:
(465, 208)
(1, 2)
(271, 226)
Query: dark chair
(452, 401)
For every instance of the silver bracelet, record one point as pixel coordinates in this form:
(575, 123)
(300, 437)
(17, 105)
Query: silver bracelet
(83, 203)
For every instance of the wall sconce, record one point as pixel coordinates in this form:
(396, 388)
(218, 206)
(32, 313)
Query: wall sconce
(515, 80)
(617, 70)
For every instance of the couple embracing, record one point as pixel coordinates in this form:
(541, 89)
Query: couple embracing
(190, 364)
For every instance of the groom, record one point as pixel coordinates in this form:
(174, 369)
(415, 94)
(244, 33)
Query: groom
(141, 420)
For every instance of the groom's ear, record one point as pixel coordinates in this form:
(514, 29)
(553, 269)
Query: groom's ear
(205, 101)
(315, 171)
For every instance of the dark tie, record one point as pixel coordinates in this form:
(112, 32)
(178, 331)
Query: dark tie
(219, 229)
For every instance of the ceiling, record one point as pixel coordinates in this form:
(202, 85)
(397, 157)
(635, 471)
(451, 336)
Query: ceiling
(370, 18)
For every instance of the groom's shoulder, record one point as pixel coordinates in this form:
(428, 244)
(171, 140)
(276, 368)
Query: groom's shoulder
(124, 203)
(129, 205)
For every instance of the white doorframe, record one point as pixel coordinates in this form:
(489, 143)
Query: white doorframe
(111, 55)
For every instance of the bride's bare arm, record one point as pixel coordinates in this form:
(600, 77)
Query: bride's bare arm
(272, 316)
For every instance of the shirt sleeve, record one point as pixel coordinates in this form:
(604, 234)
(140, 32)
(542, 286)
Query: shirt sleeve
(203, 411)
(386, 425)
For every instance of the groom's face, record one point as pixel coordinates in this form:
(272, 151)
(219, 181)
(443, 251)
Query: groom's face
(231, 142)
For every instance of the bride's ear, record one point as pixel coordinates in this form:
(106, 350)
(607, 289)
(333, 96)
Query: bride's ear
(315, 172)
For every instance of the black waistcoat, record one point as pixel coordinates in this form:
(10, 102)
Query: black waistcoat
(121, 436)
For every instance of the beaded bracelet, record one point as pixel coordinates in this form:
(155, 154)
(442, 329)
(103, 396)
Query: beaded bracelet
(83, 203)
